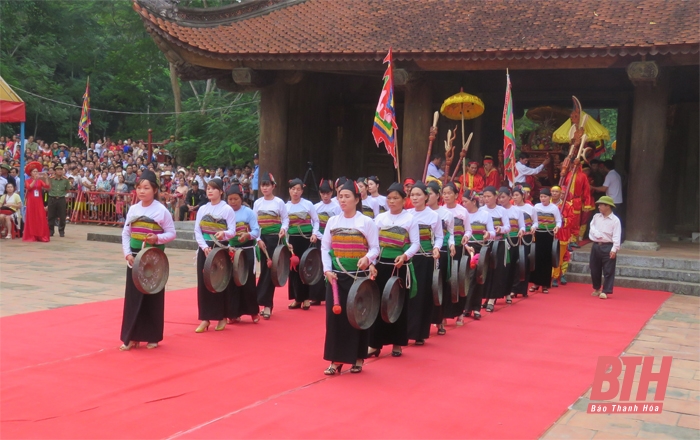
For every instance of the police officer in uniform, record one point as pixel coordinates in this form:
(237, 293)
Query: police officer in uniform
(57, 200)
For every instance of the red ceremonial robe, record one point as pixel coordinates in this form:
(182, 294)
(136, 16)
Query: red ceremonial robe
(36, 224)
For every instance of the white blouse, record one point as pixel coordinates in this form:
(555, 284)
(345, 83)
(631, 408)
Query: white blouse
(549, 209)
(275, 205)
(448, 224)
(155, 211)
(304, 206)
(430, 218)
(359, 222)
(498, 213)
(387, 220)
(219, 211)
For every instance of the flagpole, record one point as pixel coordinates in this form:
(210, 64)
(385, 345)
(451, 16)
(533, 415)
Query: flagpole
(398, 158)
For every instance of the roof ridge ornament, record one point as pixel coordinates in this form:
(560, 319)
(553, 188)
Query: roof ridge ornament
(164, 8)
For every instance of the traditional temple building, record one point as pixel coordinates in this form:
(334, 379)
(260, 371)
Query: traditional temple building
(318, 66)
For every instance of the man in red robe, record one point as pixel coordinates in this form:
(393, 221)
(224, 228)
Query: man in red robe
(472, 180)
(564, 235)
(491, 176)
(581, 201)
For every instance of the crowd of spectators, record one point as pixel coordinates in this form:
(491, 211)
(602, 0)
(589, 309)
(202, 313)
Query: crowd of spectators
(116, 166)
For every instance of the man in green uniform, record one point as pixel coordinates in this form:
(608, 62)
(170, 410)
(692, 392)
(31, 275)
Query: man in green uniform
(57, 200)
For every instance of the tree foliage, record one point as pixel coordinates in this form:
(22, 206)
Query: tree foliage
(51, 47)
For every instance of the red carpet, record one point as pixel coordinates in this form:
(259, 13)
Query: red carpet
(511, 375)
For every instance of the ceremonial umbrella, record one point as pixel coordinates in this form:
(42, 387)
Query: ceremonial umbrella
(593, 129)
(544, 113)
(462, 106)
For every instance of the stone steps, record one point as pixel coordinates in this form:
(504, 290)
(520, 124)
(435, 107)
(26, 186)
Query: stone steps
(675, 275)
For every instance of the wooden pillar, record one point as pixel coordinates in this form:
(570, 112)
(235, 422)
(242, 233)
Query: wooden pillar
(274, 108)
(646, 163)
(417, 119)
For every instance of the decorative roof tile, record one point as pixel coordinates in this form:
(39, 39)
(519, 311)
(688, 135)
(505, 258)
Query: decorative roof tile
(433, 29)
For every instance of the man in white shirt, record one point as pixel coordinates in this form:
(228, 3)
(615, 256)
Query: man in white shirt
(612, 186)
(524, 170)
(434, 167)
(605, 233)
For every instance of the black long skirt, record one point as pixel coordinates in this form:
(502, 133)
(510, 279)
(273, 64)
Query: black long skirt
(542, 275)
(297, 290)
(513, 273)
(520, 287)
(317, 292)
(420, 307)
(344, 343)
(440, 312)
(266, 289)
(144, 315)
(211, 306)
(382, 333)
(476, 291)
(243, 300)
(496, 279)
(453, 310)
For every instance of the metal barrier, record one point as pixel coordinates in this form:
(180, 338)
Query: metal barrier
(107, 208)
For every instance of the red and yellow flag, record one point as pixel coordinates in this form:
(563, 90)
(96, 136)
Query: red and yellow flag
(384, 129)
(84, 124)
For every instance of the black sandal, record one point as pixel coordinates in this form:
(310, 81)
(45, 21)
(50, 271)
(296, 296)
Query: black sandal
(489, 307)
(509, 301)
(477, 315)
(375, 353)
(420, 341)
(356, 369)
(545, 290)
(533, 288)
(333, 370)
(295, 305)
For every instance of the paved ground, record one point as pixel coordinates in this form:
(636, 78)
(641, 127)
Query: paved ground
(40, 276)
(71, 270)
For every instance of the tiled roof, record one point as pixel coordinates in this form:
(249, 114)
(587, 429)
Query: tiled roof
(440, 29)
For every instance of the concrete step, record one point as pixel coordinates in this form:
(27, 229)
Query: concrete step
(643, 283)
(178, 243)
(686, 276)
(645, 262)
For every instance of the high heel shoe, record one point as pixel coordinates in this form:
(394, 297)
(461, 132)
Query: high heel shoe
(294, 305)
(375, 353)
(356, 368)
(202, 327)
(441, 331)
(221, 325)
(129, 346)
(333, 370)
(306, 305)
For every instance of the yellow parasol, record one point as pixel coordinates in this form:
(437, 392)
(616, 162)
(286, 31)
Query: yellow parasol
(593, 129)
(460, 107)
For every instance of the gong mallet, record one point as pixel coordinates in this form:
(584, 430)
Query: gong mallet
(336, 297)
(431, 138)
